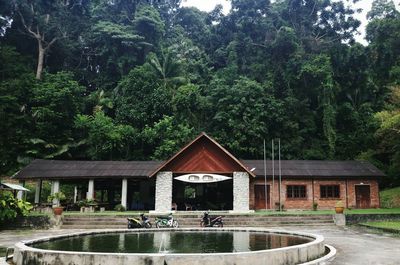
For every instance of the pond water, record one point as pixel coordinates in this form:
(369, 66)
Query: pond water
(173, 242)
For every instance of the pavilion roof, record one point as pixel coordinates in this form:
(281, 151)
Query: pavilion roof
(70, 169)
(316, 168)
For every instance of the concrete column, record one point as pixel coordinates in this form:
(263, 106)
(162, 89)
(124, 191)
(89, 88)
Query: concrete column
(20, 193)
(55, 187)
(241, 189)
(90, 192)
(75, 193)
(163, 192)
(124, 193)
(38, 191)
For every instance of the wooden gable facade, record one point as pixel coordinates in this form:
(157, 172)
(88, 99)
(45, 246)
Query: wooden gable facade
(203, 155)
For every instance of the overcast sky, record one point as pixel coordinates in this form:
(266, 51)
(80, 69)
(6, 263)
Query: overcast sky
(208, 5)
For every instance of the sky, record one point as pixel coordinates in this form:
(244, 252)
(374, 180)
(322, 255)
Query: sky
(208, 5)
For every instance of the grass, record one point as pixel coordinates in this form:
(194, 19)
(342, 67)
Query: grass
(384, 225)
(106, 213)
(390, 198)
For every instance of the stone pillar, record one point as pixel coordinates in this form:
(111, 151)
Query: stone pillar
(90, 192)
(20, 193)
(241, 189)
(38, 191)
(163, 192)
(124, 193)
(55, 187)
(339, 219)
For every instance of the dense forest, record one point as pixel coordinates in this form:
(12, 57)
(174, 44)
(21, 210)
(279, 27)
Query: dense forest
(137, 79)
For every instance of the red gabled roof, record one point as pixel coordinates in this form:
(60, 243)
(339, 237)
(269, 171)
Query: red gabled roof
(204, 155)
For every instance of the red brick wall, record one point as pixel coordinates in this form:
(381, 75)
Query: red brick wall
(374, 192)
(323, 203)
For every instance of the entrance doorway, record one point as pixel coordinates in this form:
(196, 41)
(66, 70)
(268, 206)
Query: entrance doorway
(205, 196)
(259, 197)
(363, 196)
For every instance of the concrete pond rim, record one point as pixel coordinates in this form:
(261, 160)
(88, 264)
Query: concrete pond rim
(301, 253)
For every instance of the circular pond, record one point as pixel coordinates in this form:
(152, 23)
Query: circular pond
(174, 242)
(183, 246)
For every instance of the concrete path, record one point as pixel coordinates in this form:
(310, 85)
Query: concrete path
(355, 245)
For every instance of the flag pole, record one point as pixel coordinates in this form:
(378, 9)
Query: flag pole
(280, 173)
(265, 178)
(273, 175)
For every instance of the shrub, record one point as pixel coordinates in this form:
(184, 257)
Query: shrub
(119, 208)
(11, 207)
(59, 196)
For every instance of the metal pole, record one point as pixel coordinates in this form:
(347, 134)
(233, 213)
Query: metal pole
(280, 173)
(265, 179)
(273, 177)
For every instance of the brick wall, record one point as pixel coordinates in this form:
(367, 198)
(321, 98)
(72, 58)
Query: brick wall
(313, 193)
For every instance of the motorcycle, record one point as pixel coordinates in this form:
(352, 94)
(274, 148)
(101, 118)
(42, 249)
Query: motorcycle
(143, 222)
(166, 221)
(208, 221)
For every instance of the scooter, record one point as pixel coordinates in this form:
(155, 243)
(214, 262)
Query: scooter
(166, 221)
(143, 222)
(208, 221)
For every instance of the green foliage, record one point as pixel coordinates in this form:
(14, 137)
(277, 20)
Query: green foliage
(119, 208)
(11, 207)
(59, 196)
(136, 80)
(167, 136)
(103, 138)
(390, 198)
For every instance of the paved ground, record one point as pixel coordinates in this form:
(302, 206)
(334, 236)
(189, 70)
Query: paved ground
(355, 245)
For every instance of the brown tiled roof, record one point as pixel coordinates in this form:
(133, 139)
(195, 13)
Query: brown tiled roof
(316, 168)
(140, 169)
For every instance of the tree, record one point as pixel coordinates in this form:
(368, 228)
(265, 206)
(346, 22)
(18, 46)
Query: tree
(167, 136)
(103, 138)
(47, 22)
(140, 98)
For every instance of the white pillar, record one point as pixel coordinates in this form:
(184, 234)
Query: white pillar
(124, 193)
(38, 190)
(75, 193)
(241, 192)
(163, 192)
(55, 187)
(20, 193)
(90, 192)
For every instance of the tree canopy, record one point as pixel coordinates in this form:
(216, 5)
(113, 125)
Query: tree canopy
(136, 80)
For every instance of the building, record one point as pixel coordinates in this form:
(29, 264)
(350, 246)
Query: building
(204, 175)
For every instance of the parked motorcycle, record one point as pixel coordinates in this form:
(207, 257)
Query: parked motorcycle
(166, 221)
(208, 221)
(143, 222)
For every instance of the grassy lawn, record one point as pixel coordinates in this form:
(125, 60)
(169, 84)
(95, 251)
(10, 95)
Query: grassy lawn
(107, 213)
(390, 198)
(392, 225)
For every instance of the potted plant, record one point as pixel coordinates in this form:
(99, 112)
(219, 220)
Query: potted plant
(339, 207)
(315, 206)
(58, 196)
(82, 205)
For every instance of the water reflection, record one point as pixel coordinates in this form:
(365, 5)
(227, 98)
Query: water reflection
(173, 242)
